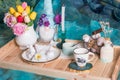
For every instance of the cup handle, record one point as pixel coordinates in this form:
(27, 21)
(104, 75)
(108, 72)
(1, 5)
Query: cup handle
(93, 56)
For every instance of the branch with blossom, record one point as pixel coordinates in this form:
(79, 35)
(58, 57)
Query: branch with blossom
(20, 19)
(106, 28)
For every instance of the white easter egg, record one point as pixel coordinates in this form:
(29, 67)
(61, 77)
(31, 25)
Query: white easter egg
(100, 41)
(86, 38)
(96, 36)
(93, 50)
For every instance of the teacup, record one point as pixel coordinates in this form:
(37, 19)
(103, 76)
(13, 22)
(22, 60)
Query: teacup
(81, 56)
(68, 49)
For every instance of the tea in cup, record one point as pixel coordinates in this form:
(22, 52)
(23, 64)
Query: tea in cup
(81, 56)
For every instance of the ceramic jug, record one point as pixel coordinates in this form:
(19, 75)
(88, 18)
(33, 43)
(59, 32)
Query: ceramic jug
(28, 38)
(107, 52)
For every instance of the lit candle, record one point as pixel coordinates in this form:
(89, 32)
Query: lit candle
(63, 18)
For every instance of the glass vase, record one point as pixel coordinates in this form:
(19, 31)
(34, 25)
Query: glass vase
(46, 34)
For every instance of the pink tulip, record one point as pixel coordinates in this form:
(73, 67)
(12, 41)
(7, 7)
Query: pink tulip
(24, 5)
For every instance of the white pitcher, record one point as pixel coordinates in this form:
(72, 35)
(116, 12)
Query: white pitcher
(28, 38)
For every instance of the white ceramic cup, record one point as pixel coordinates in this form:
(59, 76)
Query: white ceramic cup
(81, 56)
(68, 49)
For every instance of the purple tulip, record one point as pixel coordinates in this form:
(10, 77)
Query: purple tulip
(40, 24)
(46, 23)
(40, 19)
(45, 19)
(57, 19)
(43, 15)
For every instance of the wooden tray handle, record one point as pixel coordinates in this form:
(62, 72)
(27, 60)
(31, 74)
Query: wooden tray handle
(116, 70)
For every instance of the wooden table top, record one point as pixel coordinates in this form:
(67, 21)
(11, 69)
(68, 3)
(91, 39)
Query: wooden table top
(10, 58)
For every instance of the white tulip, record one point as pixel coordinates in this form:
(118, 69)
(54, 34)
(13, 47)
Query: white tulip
(24, 13)
(26, 19)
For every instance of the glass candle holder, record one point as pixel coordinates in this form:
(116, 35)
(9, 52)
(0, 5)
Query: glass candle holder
(62, 36)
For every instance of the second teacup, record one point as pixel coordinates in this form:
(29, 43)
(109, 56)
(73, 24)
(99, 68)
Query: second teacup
(81, 56)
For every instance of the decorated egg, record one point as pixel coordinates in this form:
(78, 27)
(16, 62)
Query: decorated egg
(86, 38)
(93, 50)
(96, 36)
(100, 41)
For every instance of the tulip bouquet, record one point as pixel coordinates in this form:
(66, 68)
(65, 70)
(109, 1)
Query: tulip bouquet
(20, 19)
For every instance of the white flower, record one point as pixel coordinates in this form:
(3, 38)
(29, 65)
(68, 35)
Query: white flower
(26, 19)
(24, 13)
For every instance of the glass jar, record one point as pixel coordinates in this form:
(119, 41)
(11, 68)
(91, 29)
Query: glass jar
(46, 34)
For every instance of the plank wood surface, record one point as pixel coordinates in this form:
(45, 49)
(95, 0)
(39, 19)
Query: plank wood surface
(10, 58)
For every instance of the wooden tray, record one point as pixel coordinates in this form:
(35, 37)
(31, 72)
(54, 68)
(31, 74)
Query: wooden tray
(10, 59)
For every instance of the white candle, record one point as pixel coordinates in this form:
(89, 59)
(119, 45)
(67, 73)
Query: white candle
(63, 18)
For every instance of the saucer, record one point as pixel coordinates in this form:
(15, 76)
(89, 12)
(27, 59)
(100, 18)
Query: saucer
(74, 66)
(43, 58)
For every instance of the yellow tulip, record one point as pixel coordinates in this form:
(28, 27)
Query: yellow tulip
(12, 10)
(33, 15)
(19, 8)
(16, 14)
(27, 9)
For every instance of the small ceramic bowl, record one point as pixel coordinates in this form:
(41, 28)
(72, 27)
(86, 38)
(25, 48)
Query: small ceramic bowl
(68, 49)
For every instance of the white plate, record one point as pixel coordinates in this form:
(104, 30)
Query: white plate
(46, 59)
